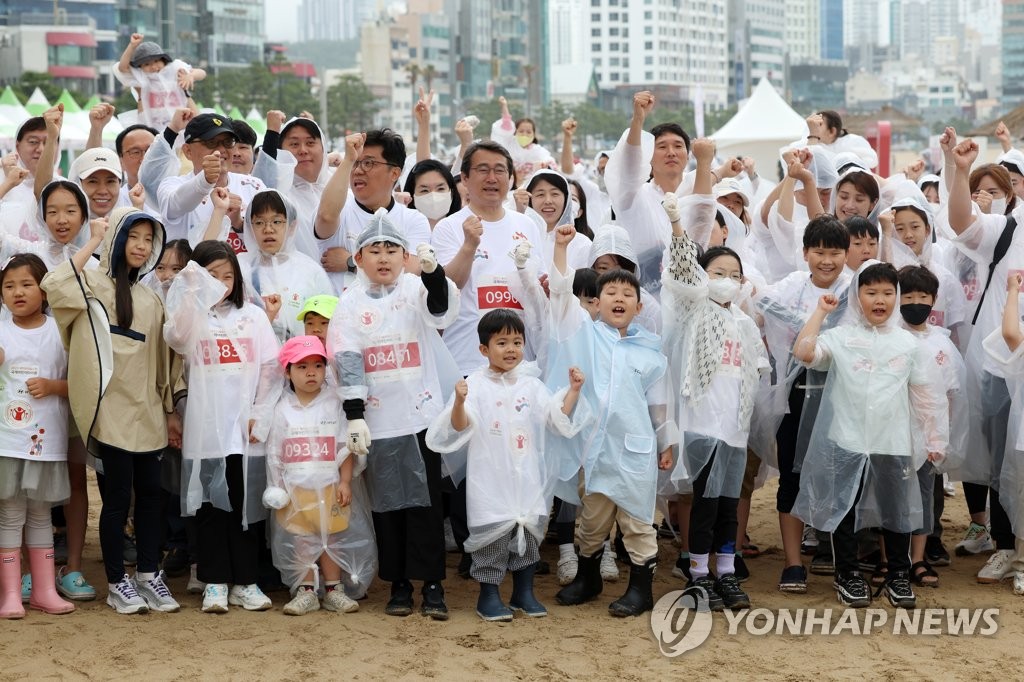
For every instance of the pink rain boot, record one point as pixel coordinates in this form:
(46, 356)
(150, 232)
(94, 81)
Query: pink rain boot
(44, 583)
(10, 586)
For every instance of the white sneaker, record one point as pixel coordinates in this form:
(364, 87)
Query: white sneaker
(997, 568)
(215, 598)
(156, 594)
(195, 586)
(809, 541)
(303, 602)
(976, 541)
(337, 600)
(609, 569)
(1018, 582)
(249, 597)
(123, 597)
(948, 489)
(567, 569)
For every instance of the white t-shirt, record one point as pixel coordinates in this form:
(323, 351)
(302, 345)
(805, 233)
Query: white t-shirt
(487, 287)
(32, 428)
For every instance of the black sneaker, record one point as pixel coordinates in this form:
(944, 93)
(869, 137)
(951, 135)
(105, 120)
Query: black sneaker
(400, 603)
(897, 589)
(793, 580)
(742, 572)
(706, 582)
(852, 590)
(682, 568)
(176, 562)
(935, 552)
(433, 601)
(733, 596)
(465, 563)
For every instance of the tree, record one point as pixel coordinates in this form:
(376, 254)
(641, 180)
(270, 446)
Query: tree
(257, 86)
(30, 80)
(350, 105)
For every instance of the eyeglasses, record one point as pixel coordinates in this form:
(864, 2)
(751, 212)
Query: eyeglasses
(499, 171)
(367, 165)
(133, 153)
(223, 142)
(259, 224)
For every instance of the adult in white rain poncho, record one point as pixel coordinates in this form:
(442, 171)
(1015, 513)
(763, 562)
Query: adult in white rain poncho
(861, 466)
(552, 201)
(234, 382)
(320, 528)
(394, 375)
(272, 264)
(826, 129)
(502, 414)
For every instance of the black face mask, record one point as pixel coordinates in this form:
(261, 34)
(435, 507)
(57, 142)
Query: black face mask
(915, 313)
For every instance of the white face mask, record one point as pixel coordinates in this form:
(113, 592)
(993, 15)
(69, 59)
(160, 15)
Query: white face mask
(998, 207)
(434, 205)
(574, 209)
(723, 290)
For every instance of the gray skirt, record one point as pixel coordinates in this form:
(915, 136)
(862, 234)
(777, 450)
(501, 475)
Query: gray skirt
(42, 481)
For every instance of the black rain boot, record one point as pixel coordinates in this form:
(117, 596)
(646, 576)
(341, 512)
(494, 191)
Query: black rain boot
(489, 605)
(586, 585)
(522, 593)
(638, 597)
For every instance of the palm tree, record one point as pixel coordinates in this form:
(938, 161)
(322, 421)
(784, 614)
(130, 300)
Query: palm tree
(414, 71)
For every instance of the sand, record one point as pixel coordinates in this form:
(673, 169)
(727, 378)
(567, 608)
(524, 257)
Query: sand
(571, 643)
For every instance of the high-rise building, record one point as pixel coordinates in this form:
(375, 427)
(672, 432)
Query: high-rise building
(803, 29)
(757, 38)
(1013, 53)
(916, 25)
(568, 30)
(334, 19)
(174, 24)
(232, 32)
(831, 19)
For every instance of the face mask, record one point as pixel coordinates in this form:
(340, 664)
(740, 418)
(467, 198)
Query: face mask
(524, 140)
(998, 207)
(915, 313)
(574, 209)
(434, 205)
(723, 290)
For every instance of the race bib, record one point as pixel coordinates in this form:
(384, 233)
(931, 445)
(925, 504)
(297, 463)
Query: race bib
(227, 351)
(492, 293)
(732, 357)
(391, 358)
(234, 240)
(308, 449)
(937, 317)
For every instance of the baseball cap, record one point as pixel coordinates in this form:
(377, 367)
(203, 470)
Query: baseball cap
(731, 186)
(322, 304)
(299, 348)
(96, 159)
(381, 229)
(1012, 160)
(146, 52)
(208, 126)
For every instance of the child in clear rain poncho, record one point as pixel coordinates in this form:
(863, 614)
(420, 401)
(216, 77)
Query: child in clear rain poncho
(502, 413)
(860, 470)
(315, 528)
(163, 84)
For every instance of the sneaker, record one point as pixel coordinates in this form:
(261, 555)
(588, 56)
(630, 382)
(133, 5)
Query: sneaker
(823, 564)
(195, 585)
(998, 567)
(899, 592)
(1018, 582)
(809, 542)
(976, 541)
(433, 601)
(156, 594)
(130, 554)
(567, 569)
(793, 580)
(337, 600)
(26, 588)
(73, 585)
(852, 590)
(935, 552)
(733, 596)
(303, 602)
(450, 545)
(60, 549)
(682, 568)
(176, 562)
(609, 569)
(948, 489)
(249, 597)
(740, 566)
(400, 603)
(124, 598)
(706, 582)
(215, 598)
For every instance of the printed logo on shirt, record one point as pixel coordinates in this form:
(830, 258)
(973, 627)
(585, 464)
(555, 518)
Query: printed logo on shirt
(18, 414)
(227, 351)
(308, 449)
(518, 237)
(863, 365)
(522, 404)
(898, 363)
(481, 254)
(941, 359)
(422, 399)
(495, 429)
(36, 448)
(369, 319)
(520, 441)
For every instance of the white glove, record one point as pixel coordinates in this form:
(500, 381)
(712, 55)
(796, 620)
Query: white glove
(275, 498)
(472, 121)
(428, 258)
(358, 441)
(521, 253)
(671, 205)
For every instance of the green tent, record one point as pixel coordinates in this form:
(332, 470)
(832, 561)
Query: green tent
(70, 105)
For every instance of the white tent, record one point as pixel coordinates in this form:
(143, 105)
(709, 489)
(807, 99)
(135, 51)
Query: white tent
(763, 124)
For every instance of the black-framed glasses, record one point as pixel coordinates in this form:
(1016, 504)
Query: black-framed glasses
(499, 171)
(367, 165)
(221, 143)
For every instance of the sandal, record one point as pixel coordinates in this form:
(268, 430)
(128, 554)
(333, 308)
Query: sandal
(924, 575)
(879, 574)
(748, 550)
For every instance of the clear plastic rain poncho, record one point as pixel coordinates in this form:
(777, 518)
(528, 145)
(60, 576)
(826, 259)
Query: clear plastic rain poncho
(952, 373)
(289, 273)
(881, 388)
(161, 94)
(385, 348)
(526, 160)
(510, 473)
(52, 252)
(1008, 479)
(233, 377)
(716, 359)
(304, 456)
(614, 240)
(579, 247)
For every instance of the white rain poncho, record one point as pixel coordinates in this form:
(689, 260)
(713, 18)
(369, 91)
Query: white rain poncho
(289, 273)
(854, 144)
(716, 358)
(510, 474)
(579, 247)
(161, 94)
(1008, 479)
(386, 351)
(233, 377)
(52, 252)
(526, 160)
(614, 240)
(952, 374)
(304, 456)
(881, 388)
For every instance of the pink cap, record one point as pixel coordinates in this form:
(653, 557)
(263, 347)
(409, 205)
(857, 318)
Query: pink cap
(299, 348)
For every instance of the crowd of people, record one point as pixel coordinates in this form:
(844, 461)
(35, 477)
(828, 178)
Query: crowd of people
(292, 365)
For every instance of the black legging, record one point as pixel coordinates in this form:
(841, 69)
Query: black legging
(712, 519)
(122, 472)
